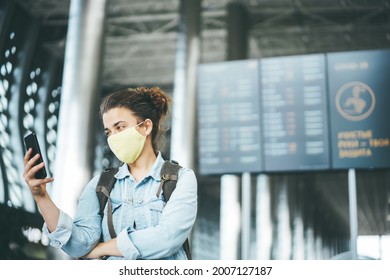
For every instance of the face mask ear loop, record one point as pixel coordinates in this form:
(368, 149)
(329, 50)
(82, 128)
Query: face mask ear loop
(139, 123)
(138, 126)
(142, 123)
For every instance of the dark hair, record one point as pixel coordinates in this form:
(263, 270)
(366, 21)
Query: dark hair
(144, 103)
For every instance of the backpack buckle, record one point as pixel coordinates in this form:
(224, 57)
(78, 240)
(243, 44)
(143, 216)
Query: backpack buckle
(165, 177)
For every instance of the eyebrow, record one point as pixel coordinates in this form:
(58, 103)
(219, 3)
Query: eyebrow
(114, 125)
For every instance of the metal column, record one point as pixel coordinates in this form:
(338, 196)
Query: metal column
(79, 101)
(237, 31)
(184, 92)
(264, 227)
(246, 215)
(282, 249)
(237, 49)
(230, 218)
(298, 229)
(353, 216)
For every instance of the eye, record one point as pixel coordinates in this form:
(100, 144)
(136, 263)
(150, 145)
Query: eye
(121, 127)
(107, 134)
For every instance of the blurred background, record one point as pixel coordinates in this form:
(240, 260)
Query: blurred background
(59, 58)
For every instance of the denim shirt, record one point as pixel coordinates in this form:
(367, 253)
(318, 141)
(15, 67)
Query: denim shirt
(147, 226)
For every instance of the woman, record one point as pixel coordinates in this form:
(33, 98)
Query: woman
(147, 226)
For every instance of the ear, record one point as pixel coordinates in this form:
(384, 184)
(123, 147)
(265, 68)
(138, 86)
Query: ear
(148, 124)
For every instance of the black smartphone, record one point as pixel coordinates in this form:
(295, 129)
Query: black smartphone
(31, 141)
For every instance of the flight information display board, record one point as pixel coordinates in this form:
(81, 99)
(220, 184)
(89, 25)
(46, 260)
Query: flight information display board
(359, 92)
(229, 117)
(294, 113)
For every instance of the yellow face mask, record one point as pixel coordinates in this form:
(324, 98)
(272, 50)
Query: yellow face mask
(127, 145)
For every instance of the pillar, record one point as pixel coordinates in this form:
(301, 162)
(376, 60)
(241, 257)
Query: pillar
(184, 91)
(79, 102)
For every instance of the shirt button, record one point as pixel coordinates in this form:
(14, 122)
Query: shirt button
(140, 201)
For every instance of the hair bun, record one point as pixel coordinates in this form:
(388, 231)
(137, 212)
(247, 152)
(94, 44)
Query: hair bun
(159, 99)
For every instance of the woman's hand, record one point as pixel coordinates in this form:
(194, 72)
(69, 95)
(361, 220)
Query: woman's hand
(102, 249)
(37, 186)
(95, 253)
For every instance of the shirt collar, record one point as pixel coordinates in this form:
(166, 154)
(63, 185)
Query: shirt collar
(154, 171)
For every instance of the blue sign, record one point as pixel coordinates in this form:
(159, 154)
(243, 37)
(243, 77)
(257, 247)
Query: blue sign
(359, 98)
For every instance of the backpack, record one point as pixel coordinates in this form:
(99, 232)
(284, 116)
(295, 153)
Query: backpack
(169, 176)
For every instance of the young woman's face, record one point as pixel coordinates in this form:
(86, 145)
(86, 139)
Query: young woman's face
(118, 119)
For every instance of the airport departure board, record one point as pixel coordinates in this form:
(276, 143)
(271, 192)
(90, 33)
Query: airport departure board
(229, 117)
(294, 113)
(359, 92)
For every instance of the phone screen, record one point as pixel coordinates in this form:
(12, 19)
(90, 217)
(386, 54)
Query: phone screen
(31, 141)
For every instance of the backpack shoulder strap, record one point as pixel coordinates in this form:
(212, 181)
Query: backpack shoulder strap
(169, 176)
(103, 189)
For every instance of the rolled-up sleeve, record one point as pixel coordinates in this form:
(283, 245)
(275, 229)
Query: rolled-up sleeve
(62, 232)
(80, 235)
(126, 246)
(176, 221)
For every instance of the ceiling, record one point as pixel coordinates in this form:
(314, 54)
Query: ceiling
(140, 35)
(140, 49)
